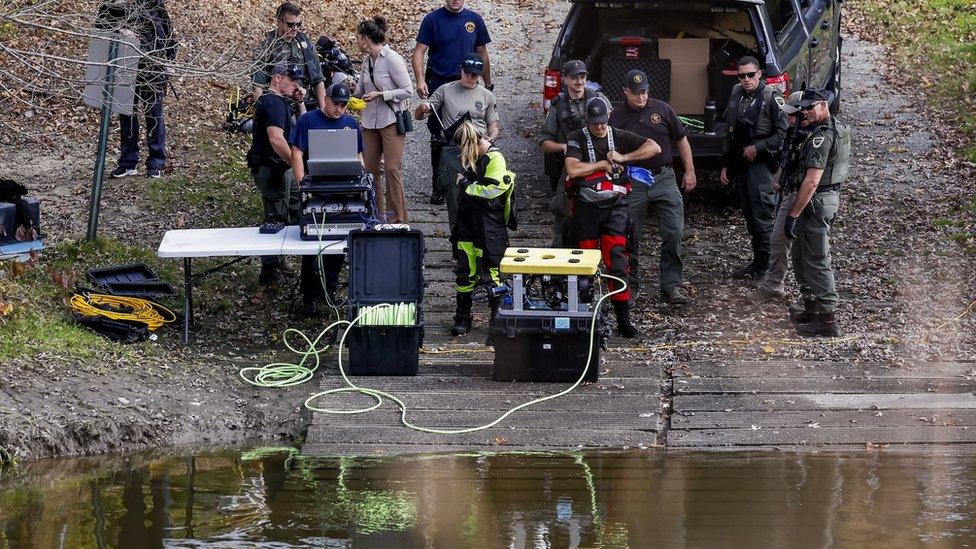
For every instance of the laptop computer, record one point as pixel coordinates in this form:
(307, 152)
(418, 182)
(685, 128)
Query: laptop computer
(333, 153)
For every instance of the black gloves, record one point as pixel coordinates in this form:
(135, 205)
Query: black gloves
(790, 227)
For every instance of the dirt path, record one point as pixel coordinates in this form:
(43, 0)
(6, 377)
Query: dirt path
(901, 274)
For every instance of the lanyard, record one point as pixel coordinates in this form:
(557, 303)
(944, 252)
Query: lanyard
(589, 143)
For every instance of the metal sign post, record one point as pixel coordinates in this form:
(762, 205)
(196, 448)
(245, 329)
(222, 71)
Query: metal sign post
(108, 94)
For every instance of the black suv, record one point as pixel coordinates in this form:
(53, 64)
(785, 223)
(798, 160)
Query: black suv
(798, 41)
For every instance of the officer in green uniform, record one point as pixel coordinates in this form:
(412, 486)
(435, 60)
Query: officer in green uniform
(286, 44)
(757, 128)
(816, 180)
(567, 113)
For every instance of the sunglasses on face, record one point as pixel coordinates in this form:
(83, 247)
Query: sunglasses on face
(295, 25)
(747, 75)
(810, 108)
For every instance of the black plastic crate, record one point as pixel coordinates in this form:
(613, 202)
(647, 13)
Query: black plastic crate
(130, 272)
(385, 267)
(384, 350)
(147, 288)
(544, 348)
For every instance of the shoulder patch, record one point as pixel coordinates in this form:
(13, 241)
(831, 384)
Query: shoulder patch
(780, 101)
(817, 142)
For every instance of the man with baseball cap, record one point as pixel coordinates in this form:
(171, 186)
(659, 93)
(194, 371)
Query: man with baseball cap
(756, 128)
(331, 116)
(816, 179)
(567, 113)
(773, 285)
(450, 102)
(287, 44)
(655, 119)
(596, 164)
(269, 156)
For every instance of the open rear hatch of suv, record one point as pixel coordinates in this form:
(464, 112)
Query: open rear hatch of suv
(688, 50)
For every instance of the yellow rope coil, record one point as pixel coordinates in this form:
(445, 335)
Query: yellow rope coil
(122, 308)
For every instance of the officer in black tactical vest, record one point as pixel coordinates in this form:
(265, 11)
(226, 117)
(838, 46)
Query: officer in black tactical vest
(816, 180)
(566, 115)
(757, 127)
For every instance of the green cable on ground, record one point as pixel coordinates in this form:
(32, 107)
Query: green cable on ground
(380, 395)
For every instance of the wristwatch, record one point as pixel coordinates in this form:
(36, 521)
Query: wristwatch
(490, 87)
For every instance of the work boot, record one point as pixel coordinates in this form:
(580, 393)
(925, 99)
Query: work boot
(754, 270)
(763, 295)
(462, 314)
(801, 315)
(437, 199)
(823, 325)
(624, 327)
(674, 296)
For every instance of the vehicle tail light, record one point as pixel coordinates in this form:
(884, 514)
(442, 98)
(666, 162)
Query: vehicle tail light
(550, 88)
(781, 82)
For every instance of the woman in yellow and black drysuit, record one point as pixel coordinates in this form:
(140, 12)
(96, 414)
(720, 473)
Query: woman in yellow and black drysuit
(486, 210)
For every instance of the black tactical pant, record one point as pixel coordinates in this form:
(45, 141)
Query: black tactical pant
(758, 202)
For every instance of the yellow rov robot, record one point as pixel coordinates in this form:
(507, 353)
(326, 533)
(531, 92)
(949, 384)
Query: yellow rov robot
(542, 331)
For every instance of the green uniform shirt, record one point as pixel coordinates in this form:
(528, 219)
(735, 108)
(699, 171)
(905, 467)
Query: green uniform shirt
(452, 100)
(827, 148)
(554, 129)
(299, 51)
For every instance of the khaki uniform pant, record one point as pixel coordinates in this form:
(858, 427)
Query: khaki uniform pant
(385, 143)
(669, 209)
(779, 248)
(811, 252)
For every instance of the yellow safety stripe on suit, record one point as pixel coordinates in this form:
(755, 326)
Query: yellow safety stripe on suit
(473, 254)
(502, 182)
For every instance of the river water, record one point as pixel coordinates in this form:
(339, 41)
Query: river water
(267, 498)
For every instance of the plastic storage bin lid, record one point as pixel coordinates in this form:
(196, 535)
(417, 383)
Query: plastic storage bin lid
(386, 267)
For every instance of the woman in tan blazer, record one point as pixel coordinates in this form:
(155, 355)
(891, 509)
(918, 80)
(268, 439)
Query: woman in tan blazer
(384, 84)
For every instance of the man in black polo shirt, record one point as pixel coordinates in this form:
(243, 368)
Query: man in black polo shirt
(656, 120)
(596, 160)
(270, 154)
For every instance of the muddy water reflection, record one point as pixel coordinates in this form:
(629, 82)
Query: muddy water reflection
(235, 499)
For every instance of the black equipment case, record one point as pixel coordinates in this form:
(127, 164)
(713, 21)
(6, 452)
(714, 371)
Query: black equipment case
(385, 267)
(545, 348)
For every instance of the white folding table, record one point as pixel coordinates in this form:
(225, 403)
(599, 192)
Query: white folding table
(240, 242)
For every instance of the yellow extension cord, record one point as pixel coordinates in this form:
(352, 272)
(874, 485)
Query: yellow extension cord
(132, 309)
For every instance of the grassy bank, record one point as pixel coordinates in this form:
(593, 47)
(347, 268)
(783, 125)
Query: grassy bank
(34, 316)
(933, 43)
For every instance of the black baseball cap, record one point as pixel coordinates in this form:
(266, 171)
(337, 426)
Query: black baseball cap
(473, 64)
(339, 93)
(290, 70)
(597, 111)
(574, 67)
(813, 95)
(636, 80)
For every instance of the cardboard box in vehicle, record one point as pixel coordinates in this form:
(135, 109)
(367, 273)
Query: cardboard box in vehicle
(689, 72)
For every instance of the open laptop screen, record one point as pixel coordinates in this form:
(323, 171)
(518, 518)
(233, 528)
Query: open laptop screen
(333, 153)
